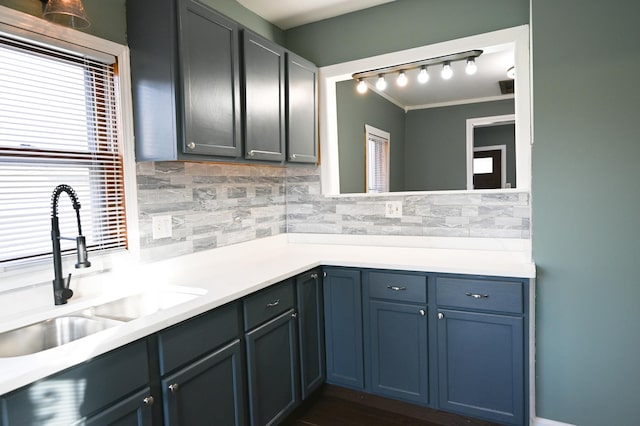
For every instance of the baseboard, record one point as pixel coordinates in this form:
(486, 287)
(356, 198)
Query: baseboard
(538, 421)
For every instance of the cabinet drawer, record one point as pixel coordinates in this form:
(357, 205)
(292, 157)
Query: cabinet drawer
(193, 338)
(396, 286)
(81, 391)
(476, 293)
(268, 304)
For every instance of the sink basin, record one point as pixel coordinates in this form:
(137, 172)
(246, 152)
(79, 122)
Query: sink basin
(141, 304)
(49, 334)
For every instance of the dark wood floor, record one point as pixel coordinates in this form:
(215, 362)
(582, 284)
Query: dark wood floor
(335, 406)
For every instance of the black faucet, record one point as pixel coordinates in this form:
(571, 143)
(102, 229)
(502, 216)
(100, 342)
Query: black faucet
(61, 290)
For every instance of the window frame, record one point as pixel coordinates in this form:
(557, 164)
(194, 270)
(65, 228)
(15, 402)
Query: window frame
(17, 24)
(386, 136)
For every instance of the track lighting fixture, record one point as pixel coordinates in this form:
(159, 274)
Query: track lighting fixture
(423, 75)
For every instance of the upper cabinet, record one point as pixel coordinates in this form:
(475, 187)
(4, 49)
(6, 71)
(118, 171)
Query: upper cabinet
(207, 89)
(264, 97)
(302, 107)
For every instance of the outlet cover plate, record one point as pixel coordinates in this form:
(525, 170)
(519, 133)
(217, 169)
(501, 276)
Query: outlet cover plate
(393, 209)
(161, 227)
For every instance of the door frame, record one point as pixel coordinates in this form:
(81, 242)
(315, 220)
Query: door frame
(472, 123)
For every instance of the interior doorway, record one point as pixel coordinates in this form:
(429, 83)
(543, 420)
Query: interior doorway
(489, 167)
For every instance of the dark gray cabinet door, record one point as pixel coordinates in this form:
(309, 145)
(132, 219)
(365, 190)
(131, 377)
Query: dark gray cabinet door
(302, 112)
(399, 351)
(272, 369)
(481, 365)
(132, 411)
(310, 331)
(343, 327)
(263, 98)
(209, 391)
(209, 58)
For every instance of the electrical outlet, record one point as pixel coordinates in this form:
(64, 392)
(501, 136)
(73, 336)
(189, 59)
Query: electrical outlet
(161, 227)
(393, 209)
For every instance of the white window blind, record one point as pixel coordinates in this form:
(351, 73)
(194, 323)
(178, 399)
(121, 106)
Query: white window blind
(58, 125)
(377, 162)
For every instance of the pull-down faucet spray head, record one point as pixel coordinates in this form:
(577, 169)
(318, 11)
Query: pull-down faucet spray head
(61, 290)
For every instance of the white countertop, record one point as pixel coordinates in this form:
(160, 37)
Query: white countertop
(231, 272)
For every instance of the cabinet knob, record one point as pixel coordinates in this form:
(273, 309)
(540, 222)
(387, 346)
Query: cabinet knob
(440, 315)
(422, 312)
(191, 145)
(173, 387)
(294, 315)
(314, 276)
(148, 401)
(252, 153)
(292, 157)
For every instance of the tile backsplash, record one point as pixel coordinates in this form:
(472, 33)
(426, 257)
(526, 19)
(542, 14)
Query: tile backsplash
(214, 205)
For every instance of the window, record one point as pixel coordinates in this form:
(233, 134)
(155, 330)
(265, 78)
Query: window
(377, 155)
(58, 124)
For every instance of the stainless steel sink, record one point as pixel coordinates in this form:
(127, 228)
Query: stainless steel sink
(142, 304)
(50, 333)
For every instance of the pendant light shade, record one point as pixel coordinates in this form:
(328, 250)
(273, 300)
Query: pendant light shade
(69, 13)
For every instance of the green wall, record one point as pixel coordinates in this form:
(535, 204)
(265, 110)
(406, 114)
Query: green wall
(586, 204)
(108, 17)
(354, 111)
(402, 24)
(436, 144)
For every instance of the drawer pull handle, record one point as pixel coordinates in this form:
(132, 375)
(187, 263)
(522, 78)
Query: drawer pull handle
(396, 288)
(477, 296)
(173, 387)
(148, 401)
(440, 315)
(274, 303)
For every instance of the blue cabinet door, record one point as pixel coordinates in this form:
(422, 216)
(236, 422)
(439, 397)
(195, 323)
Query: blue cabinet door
(310, 331)
(481, 365)
(343, 327)
(132, 411)
(208, 391)
(399, 351)
(273, 370)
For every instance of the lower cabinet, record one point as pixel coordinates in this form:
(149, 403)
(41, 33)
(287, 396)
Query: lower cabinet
(343, 327)
(309, 299)
(453, 342)
(110, 389)
(481, 369)
(272, 370)
(209, 391)
(482, 347)
(398, 348)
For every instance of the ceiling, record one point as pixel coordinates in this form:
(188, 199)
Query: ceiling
(292, 13)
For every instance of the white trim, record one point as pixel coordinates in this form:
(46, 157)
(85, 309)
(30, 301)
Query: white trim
(493, 120)
(330, 75)
(13, 22)
(538, 421)
(462, 102)
(383, 135)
